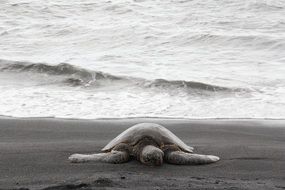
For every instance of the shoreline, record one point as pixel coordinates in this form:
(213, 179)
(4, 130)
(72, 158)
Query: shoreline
(34, 154)
(143, 117)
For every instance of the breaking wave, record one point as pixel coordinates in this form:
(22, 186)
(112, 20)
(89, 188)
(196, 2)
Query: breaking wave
(76, 76)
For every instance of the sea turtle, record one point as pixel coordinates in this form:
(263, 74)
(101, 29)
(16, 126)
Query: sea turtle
(150, 144)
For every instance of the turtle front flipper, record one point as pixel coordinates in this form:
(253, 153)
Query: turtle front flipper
(81, 158)
(113, 157)
(183, 158)
(118, 155)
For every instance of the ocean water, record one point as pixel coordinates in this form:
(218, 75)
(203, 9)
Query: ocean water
(139, 58)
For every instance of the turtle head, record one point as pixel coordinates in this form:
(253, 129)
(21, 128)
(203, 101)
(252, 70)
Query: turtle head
(151, 156)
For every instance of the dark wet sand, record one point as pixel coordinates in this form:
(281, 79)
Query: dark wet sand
(33, 154)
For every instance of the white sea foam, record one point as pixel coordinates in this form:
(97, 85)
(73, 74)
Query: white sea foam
(128, 58)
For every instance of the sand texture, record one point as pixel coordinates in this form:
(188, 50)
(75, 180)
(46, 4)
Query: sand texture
(34, 152)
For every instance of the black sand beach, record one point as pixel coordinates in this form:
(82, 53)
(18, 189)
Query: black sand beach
(33, 155)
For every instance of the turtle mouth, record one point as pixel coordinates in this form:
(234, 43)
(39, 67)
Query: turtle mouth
(155, 160)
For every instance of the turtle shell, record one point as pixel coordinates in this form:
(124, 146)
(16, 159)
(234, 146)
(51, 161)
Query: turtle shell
(160, 134)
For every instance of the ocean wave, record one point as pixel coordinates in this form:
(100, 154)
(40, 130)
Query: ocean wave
(76, 76)
(258, 41)
(266, 5)
(185, 84)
